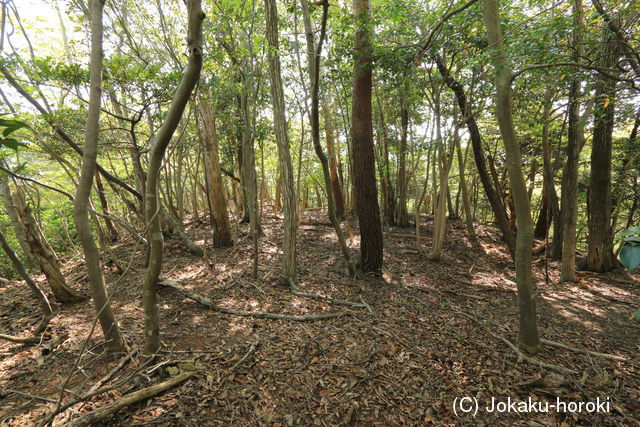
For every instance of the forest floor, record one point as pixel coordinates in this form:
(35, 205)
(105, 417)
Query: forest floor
(432, 335)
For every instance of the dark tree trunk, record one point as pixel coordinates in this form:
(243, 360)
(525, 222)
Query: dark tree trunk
(600, 255)
(366, 193)
(476, 142)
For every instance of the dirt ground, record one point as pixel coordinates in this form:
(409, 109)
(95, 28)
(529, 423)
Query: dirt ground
(433, 336)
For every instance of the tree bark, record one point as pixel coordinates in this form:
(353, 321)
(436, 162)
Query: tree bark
(528, 337)
(569, 192)
(363, 160)
(222, 236)
(402, 216)
(159, 145)
(600, 255)
(282, 141)
(102, 305)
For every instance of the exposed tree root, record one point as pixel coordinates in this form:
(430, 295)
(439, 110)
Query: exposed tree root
(520, 354)
(258, 315)
(580, 350)
(131, 398)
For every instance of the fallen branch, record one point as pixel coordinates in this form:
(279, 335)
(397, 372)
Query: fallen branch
(131, 398)
(580, 350)
(258, 315)
(325, 298)
(21, 340)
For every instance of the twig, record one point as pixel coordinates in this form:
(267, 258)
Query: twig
(30, 396)
(136, 396)
(249, 352)
(256, 314)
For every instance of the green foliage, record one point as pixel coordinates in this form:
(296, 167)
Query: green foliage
(9, 126)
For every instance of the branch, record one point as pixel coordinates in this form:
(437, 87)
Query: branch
(256, 314)
(129, 399)
(427, 44)
(603, 71)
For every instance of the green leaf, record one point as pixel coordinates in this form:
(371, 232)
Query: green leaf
(630, 256)
(12, 143)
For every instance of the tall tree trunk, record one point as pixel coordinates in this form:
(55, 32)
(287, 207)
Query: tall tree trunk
(331, 183)
(478, 154)
(103, 310)
(443, 161)
(282, 140)
(402, 217)
(366, 193)
(600, 255)
(217, 204)
(569, 192)
(158, 147)
(528, 337)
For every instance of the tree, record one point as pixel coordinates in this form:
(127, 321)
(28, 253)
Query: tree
(215, 189)
(600, 255)
(282, 141)
(569, 195)
(159, 145)
(528, 336)
(332, 186)
(363, 159)
(102, 306)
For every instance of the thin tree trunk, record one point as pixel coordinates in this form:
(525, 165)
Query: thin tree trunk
(528, 337)
(463, 186)
(331, 183)
(282, 141)
(103, 310)
(333, 164)
(402, 217)
(569, 192)
(158, 147)
(45, 307)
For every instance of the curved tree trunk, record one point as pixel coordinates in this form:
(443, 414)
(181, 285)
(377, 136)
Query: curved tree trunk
(158, 147)
(478, 154)
(528, 337)
(107, 319)
(330, 179)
